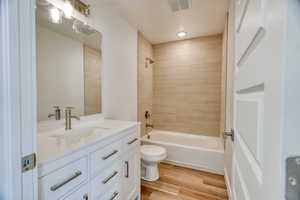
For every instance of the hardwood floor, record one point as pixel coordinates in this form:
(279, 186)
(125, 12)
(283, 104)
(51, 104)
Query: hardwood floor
(179, 183)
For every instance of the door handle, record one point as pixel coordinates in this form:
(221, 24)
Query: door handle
(127, 169)
(229, 133)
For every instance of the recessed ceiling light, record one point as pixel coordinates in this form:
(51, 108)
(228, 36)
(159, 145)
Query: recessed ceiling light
(181, 34)
(55, 15)
(68, 9)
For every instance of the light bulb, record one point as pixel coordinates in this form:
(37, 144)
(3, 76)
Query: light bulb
(181, 34)
(55, 15)
(68, 9)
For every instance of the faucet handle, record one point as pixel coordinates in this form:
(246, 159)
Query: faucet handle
(56, 113)
(69, 108)
(57, 109)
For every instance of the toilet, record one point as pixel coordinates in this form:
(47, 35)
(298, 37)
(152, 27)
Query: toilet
(151, 156)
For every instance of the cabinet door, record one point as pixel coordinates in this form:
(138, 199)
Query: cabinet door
(81, 194)
(131, 174)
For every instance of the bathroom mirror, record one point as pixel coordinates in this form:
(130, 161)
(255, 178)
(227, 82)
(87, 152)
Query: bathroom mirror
(68, 64)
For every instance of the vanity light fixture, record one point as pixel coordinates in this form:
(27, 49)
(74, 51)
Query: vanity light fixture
(55, 15)
(68, 9)
(181, 34)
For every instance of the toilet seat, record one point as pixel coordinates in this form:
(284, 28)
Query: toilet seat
(153, 153)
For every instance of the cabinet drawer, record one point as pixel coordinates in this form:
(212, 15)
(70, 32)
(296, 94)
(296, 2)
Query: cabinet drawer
(63, 180)
(81, 194)
(130, 141)
(107, 180)
(102, 157)
(113, 194)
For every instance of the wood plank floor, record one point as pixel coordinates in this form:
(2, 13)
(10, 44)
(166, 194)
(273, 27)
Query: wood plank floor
(179, 183)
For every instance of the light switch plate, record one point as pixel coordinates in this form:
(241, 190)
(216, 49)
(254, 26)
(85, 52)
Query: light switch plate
(293, 178)
(28, 162)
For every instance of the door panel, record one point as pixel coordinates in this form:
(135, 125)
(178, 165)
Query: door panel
(249, 166)
(250, 77)
(241, 7)
(240, 191)
(259, 56)
(249, 121)
(250, 21)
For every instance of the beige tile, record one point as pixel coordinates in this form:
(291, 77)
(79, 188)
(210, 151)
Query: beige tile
(187, 85)
(92, 81)
(145, 81)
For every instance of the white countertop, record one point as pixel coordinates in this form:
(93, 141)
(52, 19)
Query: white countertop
(54, 141)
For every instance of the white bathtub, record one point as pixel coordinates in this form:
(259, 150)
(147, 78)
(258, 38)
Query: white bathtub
(193, 151)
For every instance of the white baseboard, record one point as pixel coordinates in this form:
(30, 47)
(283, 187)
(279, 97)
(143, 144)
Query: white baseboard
(193, 167)
(228, 185)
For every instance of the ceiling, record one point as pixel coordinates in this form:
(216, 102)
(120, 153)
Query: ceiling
(155, 20)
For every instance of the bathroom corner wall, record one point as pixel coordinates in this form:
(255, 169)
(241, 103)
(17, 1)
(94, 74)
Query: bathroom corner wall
(145, 82)
(187, 85)
(119, 64)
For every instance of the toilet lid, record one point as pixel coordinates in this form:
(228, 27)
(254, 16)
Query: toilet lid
(152, 150)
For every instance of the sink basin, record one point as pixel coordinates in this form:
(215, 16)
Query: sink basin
(78, 132)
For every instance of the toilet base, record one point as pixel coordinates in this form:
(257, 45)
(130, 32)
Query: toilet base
(151, 172)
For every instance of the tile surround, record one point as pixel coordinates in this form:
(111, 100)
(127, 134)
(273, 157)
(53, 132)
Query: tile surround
(145, 81)
(187, 85)
(92, 81)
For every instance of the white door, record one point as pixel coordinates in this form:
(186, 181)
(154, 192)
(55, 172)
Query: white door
(18, 99)
(257, 162)
(230, 60)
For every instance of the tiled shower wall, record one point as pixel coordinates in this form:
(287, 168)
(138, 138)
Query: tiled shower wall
(92, 81)
(187, 85)
(145, 94)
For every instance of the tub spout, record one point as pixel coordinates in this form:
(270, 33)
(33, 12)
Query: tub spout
(149, 126)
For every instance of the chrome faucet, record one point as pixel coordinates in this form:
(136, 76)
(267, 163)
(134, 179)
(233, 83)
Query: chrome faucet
(56, 114)
(68, 118)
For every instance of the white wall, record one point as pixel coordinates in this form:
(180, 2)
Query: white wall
(119, 48)
(59, 73)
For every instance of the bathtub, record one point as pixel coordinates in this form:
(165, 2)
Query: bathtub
(198, 152)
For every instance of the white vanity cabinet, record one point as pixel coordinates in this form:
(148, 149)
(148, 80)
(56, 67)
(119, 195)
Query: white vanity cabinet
(106, 169)
(131, 174)
(131, 162)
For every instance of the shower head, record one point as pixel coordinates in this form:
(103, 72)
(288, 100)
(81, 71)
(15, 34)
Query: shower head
(150, 61)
